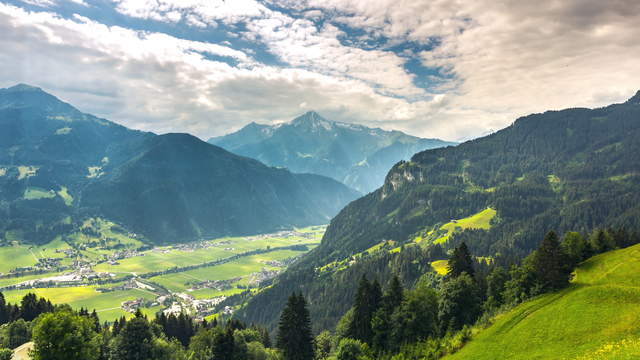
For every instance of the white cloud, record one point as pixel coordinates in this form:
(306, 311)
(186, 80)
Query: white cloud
(40, 3)
(80, 2)
(510, 58)
(156, 82)
(505, 59)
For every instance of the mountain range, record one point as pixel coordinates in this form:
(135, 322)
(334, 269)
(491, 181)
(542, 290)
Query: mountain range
(569, 170)
(59, 166)
(355, 155)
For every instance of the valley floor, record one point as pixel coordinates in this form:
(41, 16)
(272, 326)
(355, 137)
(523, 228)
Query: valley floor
(193, 277)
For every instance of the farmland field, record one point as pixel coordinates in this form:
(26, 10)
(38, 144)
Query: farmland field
(101, 250)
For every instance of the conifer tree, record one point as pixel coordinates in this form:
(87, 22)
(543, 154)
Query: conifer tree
(4, 310)
(460, 262)
(381, 323)
(294, 330)
(29, 309)
(135, 340)
(551, 265)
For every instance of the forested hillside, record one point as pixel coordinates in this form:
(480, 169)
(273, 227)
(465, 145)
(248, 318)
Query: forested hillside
(59, 166)
(569, 170)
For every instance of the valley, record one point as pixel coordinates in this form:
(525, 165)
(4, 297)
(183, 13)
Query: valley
(104, 268)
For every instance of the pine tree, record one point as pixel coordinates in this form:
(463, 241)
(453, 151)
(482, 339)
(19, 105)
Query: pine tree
(294, 330)
(29, 307)
(135, 340)
(460, 262)
(360, 326)
(394, 294)
(4, 310)
(551, 265)
(381, 323)
(459, 303)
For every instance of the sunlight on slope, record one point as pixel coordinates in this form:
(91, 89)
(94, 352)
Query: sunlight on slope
(596, 317)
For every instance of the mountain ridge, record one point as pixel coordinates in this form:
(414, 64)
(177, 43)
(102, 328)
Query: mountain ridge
(312, 144)
(568, 170)
(108, 170)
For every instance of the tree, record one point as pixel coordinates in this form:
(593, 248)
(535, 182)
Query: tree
(350, 349)
(576, 247)
(496, 281)
(522, 282)
(551, 265)
(18, 333)
(381, 323)
(4, 310)
(135, 341)
(6, 354)
(460, 262)
(65, 336)
(294, 330)
(601, 241)
(417, 317)
(366, 303)
(459, 303)
(29, 309)
(323, 345)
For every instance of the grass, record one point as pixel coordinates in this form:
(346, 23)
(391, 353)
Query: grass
(27, 171)
(596, 317)
(106, 304)
(441, 267)
(158, 259)
(64, 194)
(34, 193)
(239, 268)
(15, 256)
(481, 220)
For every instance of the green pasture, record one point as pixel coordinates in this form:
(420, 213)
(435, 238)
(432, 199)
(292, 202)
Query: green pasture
(596, 317)
(238, 268)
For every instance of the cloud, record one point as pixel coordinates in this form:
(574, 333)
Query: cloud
(510, 58)
(155, 82)
(40, 3)
(485, 62)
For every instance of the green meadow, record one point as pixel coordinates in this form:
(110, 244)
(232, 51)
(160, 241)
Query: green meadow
(596, 317)
(242, 267)
(106, 304)
(154, 260)
(481, 220)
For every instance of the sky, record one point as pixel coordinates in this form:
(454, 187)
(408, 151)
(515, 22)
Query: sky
(450, 69)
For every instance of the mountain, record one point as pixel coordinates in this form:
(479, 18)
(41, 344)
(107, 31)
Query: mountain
(176, 186)
(570, 170)
(353, 154)
(569, 324)
(59, 166)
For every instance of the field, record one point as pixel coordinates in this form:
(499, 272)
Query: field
(440, 266)
(481, 220)
(597, 317)
(106, 304)
(34, 193)
(91, 246)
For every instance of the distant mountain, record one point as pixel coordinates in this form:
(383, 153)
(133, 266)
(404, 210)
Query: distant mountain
(571, 170)
(176, 186)
(59, 166)
(353, 154)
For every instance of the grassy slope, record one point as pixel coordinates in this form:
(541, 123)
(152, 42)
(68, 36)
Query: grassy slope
(597, 317)
(481, 220)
